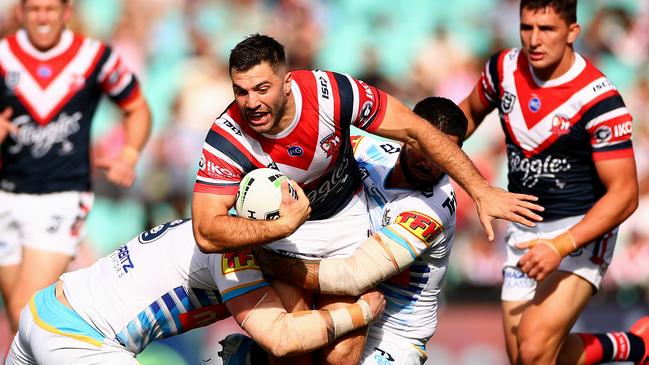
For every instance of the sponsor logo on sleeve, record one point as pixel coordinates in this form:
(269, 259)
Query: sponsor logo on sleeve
(622, 129)
(237, 261)
(603, 134)
(420, 225)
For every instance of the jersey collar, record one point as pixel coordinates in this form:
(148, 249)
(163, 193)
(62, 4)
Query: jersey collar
(577, 67)
(64, 43)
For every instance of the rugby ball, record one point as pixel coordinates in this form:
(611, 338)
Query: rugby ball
(260, 194)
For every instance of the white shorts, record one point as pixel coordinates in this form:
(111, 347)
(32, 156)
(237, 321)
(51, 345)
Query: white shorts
(384, 348)
(589, 262)
(49, 222)
(50, 333)
(337, 236)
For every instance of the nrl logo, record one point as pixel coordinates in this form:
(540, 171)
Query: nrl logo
(560, 125)
(12, 79)
(507, 102)
(330, 144)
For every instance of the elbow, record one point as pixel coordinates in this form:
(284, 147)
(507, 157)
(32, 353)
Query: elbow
(206, 245)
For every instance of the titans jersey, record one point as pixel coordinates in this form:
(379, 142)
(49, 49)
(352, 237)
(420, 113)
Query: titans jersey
(54, 95)
(158, 285)
(314, 151)
(413, 218)
(556, 130)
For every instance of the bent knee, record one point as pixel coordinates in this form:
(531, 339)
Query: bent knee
(536, 351)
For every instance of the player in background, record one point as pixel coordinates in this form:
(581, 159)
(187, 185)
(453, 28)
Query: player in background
(412, 209)
(159, 285)
(568, 138)
(299, 123)
(52, 81)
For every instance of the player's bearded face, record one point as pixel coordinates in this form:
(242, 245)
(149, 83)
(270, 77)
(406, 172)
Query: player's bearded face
(418, 171)
(547, 40)
(262, 95)
(44, 21)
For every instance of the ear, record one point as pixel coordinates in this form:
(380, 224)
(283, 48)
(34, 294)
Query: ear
(287, 82)
(20, 13)
(573, 32)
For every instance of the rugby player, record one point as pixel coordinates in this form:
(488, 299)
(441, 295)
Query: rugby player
(158, 285)
(568, 137)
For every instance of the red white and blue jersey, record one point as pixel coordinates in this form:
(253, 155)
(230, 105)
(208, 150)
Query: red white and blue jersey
(159, 285)
(314, 150)
(556, 130)
(54, 95)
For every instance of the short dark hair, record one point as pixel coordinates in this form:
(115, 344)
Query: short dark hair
(567, 9)
(443, 114)
(254, 50)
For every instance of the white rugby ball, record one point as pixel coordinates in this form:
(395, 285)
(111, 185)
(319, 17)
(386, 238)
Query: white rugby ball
(260, 194)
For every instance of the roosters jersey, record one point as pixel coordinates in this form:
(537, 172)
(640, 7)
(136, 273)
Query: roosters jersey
(54, 95)
(158, 285)
(555, 130)
(314, 151)
(421, 219)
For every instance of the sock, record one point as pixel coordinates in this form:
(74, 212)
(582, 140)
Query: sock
(612, 346)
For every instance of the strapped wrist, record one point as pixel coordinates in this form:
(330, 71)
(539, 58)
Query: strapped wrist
(564, 244)
(351, 317)
(129, 154)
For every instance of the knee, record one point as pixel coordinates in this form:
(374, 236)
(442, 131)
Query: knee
(535, 350)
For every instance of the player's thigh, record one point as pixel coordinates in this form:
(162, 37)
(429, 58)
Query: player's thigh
(40, 269)
(8, 278)
(557, 303)
(347, 349)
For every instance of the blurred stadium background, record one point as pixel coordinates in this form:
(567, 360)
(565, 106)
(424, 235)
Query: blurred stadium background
(411, 49)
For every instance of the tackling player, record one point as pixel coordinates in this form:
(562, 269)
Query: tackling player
(299, 123)
(568, 137)
(412, 209)
(158, 285)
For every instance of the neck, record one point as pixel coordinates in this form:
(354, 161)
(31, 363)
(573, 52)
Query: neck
(397, 179)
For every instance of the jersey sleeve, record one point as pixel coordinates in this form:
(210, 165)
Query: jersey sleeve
(117, 80)
(236, 273)
(224, 159)
(421, 224)
(489, 83)
(359, 104)
(608, 123)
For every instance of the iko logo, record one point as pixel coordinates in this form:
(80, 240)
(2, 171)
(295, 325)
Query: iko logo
(216, 170)
(622, 129)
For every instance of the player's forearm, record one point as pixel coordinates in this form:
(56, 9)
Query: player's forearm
(137, 122)
(225, 233)
(137, 126)
(287, 334)
(303, 273)
(609, 212)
